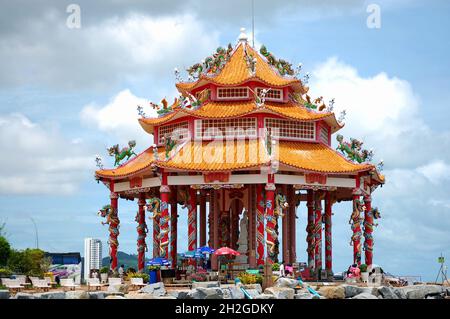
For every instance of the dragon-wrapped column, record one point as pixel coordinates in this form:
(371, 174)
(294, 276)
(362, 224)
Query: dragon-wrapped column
(328, 236)
(113, 230)
(142, 232)
(173, 231)
(259, 225)
(318, 234)
(156, 231)
(355, 221)
(368, 229)
(271, 238)
(192, 220)
(164, 220)
(310, 238)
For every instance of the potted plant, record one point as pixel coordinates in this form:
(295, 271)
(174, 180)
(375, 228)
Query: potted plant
(104, 274)
(364, 273)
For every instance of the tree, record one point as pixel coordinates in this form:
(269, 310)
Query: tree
(29, 262)
(5, 251)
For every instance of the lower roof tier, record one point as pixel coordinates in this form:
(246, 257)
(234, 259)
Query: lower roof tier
(198, 156)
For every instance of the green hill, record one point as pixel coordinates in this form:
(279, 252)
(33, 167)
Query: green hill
(123, 259)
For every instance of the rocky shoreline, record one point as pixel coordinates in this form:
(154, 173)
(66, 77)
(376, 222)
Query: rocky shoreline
(284, 288)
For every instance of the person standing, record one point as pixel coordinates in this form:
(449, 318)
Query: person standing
(121, 271)
(282, 270)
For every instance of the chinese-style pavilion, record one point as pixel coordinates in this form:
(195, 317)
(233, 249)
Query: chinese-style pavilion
(244, 140)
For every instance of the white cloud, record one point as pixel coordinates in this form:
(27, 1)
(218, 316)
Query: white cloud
(114, 49)
(385, 113)
(37, 160)
(119, 118)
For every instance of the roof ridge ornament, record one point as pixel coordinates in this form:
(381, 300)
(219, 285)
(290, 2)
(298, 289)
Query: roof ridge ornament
(243, 38)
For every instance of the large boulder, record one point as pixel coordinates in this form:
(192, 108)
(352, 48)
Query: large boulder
(233, 292)
(209, 293)
(286, 282)
(180, 294)
(281, 292)
(140, 296)
(156, 289)
(97, 295)
(420, 291)
(332, 292)
(364, 295)
(351, 291)
(400, 293)
(370, 290)
(77, 294)
(265, 296)
(123, 288)
(254, 286)
(109, 293)
(115, 297)
(23, 295)
(4, 294)
(51, 295)
(205, 284)
(387, 292)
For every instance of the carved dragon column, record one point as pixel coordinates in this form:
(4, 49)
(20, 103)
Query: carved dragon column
(318, 234)
(174, 230)
(164, 220)
(310, 239)
(114, 230)
(259, 225)
(271, 221)
(202, 218)
(192, 219)
(355, 221)
(368, 229)
(328, 236)
(142, 232)
(156, 231)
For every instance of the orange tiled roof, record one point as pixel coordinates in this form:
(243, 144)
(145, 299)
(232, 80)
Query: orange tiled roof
(317, 157)
(133, 166)
(235, 72)
(238, 155)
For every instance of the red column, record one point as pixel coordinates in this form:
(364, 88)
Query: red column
(215, 221)
(164, 220)
(174, 230)
(270, 225)
(114, 230)
(285, 229)
(192, 220)
(368, 229)
(310, 239)
(142, 232)
(292, 224)
(202, 218)
(259, 225)
(318, 235)
(328, 237)
(356, 228)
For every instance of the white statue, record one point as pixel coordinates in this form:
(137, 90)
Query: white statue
(243, 239)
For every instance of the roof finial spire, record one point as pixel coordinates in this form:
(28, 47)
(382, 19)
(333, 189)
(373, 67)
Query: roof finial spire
(243, 36)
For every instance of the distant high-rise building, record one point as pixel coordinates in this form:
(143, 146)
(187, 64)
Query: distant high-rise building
(92, 255)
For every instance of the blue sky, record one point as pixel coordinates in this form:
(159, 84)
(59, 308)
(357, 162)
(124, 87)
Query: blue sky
(67, 94)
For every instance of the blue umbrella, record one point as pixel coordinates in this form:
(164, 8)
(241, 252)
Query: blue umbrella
(205, 250)
(158, 261)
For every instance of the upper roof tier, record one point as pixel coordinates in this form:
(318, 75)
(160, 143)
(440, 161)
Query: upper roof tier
(236, 72)
(230, 109)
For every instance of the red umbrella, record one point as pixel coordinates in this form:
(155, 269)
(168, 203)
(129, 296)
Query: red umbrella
(226, 251)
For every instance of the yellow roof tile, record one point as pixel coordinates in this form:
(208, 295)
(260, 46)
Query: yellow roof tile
(317, 157)
(133, 166)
